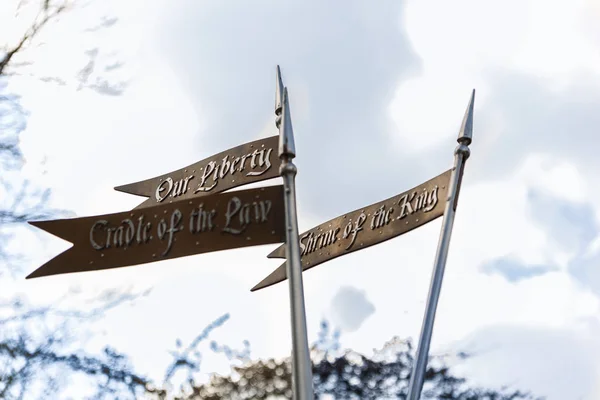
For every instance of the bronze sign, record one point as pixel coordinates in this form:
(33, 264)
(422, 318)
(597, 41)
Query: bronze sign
(218, 222)
(251, 162)
(367, 226)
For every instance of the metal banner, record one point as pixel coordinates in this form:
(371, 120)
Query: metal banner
(367, 226)
(218, 222)
(241, 165)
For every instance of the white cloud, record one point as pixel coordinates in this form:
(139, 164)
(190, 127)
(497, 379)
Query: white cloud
(349, 308)
(556, 176)
(545, 38)
(419, 128)
(543, 357)
(462, 42)
(201, 87)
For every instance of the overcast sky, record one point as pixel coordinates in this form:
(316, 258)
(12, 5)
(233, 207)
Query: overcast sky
(377, 94)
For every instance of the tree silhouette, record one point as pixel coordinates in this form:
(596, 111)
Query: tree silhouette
(345, 375)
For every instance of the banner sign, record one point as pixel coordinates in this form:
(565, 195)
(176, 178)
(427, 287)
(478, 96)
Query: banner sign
(367, 226)
(217, 222)
(248, 163)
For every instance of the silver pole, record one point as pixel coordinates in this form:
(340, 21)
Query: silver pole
(302, 382)
(461, 154)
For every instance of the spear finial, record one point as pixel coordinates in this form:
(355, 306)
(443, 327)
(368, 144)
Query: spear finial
(278, 98)
(465, 135)
(286, 132)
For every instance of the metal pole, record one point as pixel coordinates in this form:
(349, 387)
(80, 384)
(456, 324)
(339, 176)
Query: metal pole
(461, 154)
(302, 382)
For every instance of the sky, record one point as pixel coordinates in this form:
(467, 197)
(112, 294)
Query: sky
(377, 95)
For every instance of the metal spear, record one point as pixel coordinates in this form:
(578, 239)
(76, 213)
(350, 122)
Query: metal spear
(461, 154)
(302, 382)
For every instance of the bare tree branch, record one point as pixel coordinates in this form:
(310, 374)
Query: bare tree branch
(46, 14)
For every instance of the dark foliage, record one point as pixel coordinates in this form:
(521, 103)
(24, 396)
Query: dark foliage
(349, 375)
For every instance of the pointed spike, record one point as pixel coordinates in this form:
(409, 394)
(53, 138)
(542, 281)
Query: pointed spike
(36, 223)
(64, 263)
(278, 252)
(61, 228)
(279, 275)
(51, 268)
(465, 136)
(135, 189)
(47, 226)
(286, 132)
(278, 93)
(35, 274)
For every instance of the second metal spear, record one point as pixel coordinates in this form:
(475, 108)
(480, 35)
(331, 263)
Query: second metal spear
(302, 382)
(461, 154)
